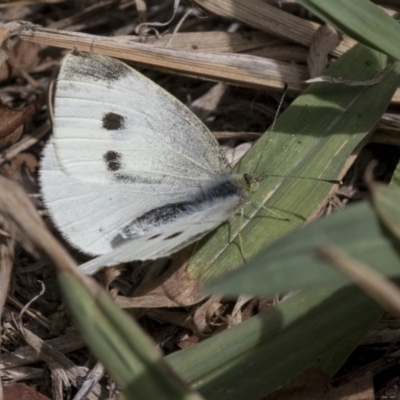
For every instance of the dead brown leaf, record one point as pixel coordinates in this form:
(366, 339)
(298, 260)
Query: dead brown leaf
(27, 355)
(9, 34)
(23, 56)
(55, 359)
(6, 264)
(25, 143)
(267, 18)
(325, 40)
(22, 392)
(314, 385)
(27, 159)
(174, 288)
(188, 342)
(12, 122)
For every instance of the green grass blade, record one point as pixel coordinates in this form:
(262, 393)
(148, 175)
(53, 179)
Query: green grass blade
(387, 204)
(292, 263)
(313, 138)
(118, 342)
(395, 181)
(360, 19)
(317, 328)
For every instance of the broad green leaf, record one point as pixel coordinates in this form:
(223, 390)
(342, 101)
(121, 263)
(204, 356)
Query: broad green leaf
(315, 328)
(313, 138)
(118, 342)
(360, 19)
(292, 263)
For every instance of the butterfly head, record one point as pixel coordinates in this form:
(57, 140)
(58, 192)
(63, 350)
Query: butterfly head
(249, 182)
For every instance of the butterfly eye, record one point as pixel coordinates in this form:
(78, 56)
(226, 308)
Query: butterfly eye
(248, 179)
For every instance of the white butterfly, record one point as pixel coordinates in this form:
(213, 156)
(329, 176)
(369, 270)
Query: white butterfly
(130, 173)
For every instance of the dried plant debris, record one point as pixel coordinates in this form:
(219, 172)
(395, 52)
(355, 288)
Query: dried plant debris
(195, 50)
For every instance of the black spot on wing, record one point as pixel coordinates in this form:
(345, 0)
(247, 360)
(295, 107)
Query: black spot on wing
(174, 235)
(154, 237)
(113, 122)
(125, 178)
(95, 67)
(113, 160)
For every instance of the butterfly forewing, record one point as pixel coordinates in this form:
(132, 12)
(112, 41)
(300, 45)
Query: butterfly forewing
(113, 124)
(130, 172)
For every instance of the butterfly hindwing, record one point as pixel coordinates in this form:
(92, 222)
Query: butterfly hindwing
(169, 239)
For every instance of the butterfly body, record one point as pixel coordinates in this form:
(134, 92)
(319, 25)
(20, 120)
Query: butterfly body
(130, 173)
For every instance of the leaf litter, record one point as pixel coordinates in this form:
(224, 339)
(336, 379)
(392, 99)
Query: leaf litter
(245, 50)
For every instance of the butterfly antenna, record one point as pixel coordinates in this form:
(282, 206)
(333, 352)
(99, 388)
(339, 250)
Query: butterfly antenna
(334, 181)
(285, 89)
(273, 123)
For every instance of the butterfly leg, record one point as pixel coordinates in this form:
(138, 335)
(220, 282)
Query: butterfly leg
(257, 205)
(240, 235)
